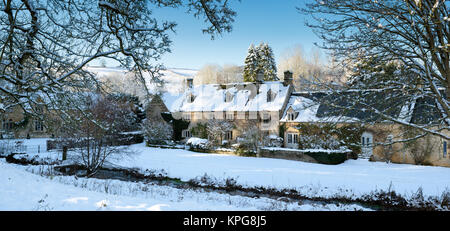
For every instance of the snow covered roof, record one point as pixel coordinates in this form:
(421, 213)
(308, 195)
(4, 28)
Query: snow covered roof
(336, 107)
(242, 97)
(306, 110)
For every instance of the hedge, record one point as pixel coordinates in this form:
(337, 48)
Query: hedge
(117, 140)
(328, 158)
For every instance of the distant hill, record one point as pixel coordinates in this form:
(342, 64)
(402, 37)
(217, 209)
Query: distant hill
(174, 79)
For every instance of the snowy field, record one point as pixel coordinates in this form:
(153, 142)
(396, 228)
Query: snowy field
(21, 189)
(352, 176)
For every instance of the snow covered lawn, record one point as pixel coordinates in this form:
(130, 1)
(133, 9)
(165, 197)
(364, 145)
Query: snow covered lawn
(22, 190)
(352, 177)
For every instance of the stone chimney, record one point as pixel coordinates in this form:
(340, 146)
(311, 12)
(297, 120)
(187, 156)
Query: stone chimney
(189, 83)
(287, 78)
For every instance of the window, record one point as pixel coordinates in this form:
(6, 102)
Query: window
(266, 118)
(39, 109)
(367, 144)
(445, 149)
(366, 141)
(187, 116)
(190, 98)
(186, 134)
(229, 115)
(292, 138)
(291, 116)
(38, 126)
(208, 115)
(7, 125)
(229, 135)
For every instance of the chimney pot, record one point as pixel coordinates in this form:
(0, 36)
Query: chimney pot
(189, 83)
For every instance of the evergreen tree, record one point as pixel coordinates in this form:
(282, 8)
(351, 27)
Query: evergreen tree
(376, 73)
(251, 64)
(267, 62)
(260, 60)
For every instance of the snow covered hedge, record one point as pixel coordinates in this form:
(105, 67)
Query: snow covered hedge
(329, 136)
(328, 157)
(322, 156)
(157, 132)
(195, 143)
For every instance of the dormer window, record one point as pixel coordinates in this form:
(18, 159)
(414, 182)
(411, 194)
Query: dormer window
(270, 96)
(190, 98)
(39, 109)
(228, 97)
(291, 116)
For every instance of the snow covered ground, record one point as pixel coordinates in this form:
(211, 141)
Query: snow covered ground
(353, 176)
(22, 190)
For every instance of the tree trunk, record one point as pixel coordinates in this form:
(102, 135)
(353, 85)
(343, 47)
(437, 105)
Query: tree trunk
(64, 153)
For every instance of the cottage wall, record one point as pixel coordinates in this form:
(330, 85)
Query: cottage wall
(16, 115)
(404, 153)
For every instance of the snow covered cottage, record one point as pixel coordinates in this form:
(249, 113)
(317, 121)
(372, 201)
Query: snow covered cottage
(261, 104)
(334, 108)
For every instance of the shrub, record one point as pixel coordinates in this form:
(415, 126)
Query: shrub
(328, 158)
(329, 136)
(243, 150)
(157, 132)
(272, 141)
(200, 131)
(198, 144)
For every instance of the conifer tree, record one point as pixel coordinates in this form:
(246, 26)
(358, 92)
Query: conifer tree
(251, 64)
(267, 62)
(260, 60)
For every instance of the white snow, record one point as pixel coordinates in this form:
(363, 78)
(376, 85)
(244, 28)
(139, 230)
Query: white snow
(174, 79)
(21, 190)
(357, 176)
(307, 111)
(25, 191)
(197, 141)
(308, 150)
(211, 98)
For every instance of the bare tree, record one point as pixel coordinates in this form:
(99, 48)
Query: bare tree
(46, 45)
(216, 74)
(209, 74)
(251, 137)
(307, 68)
(413, 33)
(157, 131)
(217, 129)
(95, 130)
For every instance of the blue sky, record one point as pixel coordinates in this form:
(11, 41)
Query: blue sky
(276, 22)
